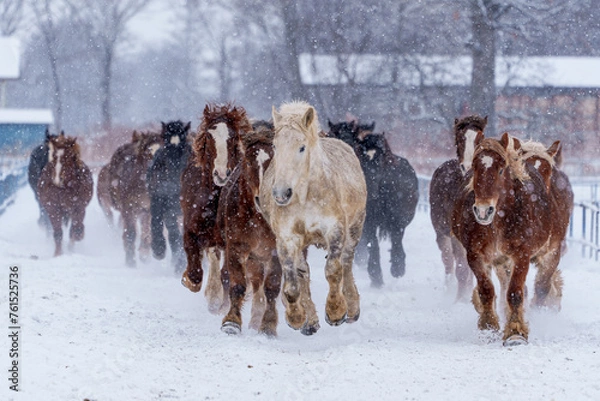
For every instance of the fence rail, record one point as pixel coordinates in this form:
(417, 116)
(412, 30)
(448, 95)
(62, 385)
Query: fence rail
(584, 229)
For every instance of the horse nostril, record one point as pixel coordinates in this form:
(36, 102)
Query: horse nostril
(475, 210)
(215, 173)
(228, 172)
(288, 193)
(490, 211)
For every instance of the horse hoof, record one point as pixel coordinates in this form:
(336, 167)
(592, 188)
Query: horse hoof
(515, 340)
(353, 318)
(398, 271)
(376, 283)
(309, 330)
(336, 322)
(231, 328)
(187, 283)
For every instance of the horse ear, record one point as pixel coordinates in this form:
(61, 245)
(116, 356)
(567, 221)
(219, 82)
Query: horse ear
(553, 149)
(485, 120)
(62, 133)
(135, 136)
(188, 126)
(516, 143)
(308, 117)
(505, 140)
(372, 126)
(455, 121)
(276, 116)
(329, 124)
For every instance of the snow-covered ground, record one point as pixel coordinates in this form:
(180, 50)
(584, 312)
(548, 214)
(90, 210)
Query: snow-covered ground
(93, 328)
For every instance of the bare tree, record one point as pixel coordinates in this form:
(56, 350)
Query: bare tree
(46, 19)
(104, 23)
(11, 16)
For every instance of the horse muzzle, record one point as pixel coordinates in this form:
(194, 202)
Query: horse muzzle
(220, 178)
(282, 196)
(484, 214)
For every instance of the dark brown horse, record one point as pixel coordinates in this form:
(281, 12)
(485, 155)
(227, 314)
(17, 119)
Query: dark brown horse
(37, 161)
(126, 176)
(444, 189)
(250, 247)
(217, 150)
(65, 189)
(504, 219)
(393, 194)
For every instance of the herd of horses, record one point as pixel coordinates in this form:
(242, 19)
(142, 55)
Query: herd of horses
(246, 199)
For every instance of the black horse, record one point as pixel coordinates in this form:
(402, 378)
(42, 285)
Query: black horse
(37, 161)
(164, 187)
(392, 196)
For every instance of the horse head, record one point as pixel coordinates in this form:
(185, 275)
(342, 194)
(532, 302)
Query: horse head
(345, 131)
(496, 163)
(63, 157)
(218, 144)
(296, 135)
(174, 133)
(371, 151)
(258, 153)
(543, 160)
(468, 132)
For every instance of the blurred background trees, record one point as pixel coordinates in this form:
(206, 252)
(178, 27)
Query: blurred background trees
(389, 61)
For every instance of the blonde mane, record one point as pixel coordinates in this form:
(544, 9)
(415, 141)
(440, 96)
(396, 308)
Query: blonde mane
(512, 157)
(536, 149)
(291, 116)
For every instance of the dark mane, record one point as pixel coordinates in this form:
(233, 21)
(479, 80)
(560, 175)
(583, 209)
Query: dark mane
(474, 121)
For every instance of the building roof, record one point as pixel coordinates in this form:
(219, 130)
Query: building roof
(9, 58)
(26, 116)
(415, 70)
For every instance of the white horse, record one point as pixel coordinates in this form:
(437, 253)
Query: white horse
(314, 193)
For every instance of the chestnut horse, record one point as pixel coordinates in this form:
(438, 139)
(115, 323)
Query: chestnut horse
(250, 247)
(547, 161)
(505, 218)
(392, 196)
(65, 188)
(314, 193)
(127, 192)
(444, 189)
(217, 149)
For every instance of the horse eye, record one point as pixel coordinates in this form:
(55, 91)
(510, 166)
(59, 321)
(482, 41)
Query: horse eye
(302, 148)
(500, 171)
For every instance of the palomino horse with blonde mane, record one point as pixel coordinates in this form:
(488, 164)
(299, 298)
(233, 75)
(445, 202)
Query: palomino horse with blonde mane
(314, 193)
(65, 188)
(217, 149)
(504, 218)
(444, 189)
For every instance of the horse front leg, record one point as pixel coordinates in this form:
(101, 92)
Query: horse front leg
(272, 287)
(146, 235)
(373, 265)
(172, 225)
(255, 275)
(57, 233)
(129, 234)
(516, 329)
(312, 319)
(484, 296)
(336, 308)
(348, 284)
(548, 281)
(192, 276)
(157, 210)
(464, 275)
(77, 231)
(217, 282)
(295, 314)
(232, 322)
(398, 255)
(444, 243)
